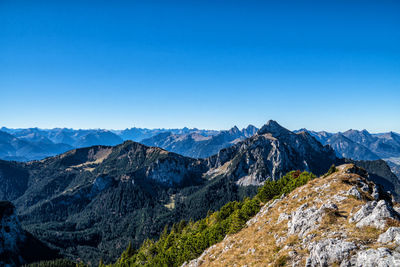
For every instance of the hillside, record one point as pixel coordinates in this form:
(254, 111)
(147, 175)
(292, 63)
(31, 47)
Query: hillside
(342, 219)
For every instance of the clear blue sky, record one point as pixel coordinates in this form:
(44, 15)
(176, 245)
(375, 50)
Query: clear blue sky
(323, 65)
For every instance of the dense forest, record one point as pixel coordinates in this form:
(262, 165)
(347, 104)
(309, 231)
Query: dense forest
(185, 241)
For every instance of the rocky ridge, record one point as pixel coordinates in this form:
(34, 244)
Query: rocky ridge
(343, 219)
(269, 154)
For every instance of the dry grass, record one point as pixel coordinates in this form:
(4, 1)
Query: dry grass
(392, 223)
(171, 204)
(260, 235)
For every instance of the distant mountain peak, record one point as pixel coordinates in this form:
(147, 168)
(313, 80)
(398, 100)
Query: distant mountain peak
(234, 130)
(273, 128)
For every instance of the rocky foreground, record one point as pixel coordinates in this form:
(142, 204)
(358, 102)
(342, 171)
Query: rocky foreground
(339, 220)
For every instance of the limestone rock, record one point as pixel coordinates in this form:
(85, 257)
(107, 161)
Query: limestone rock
(374, 214)
(381, 257)
(329, 251)
(303, 220)
(391, 235)
(354, 192)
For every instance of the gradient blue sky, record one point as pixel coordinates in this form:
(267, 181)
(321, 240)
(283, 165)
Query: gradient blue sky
(323, 65)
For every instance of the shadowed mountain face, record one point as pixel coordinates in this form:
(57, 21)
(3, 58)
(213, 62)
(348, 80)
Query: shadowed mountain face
(196, 145)
(17, 246)
(361, 145)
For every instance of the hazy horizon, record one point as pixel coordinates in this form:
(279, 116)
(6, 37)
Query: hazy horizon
(190, 128)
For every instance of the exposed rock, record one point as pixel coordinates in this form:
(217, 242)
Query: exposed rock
(318, 235)
(391, 235)
(271, 153)
(354, 192)
(284, 217)
(304, 220)
(381, 257)
(329, 251)
(374, 214)
(363, 212)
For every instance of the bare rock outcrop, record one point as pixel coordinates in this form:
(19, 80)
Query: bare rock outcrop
(374, 214)
(329, 251)
(391, 235)
(380, 257)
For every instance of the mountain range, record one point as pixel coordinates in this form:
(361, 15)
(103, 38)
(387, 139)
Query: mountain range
(361, 145)
(36, 144)
(196, 145)
(89, 203)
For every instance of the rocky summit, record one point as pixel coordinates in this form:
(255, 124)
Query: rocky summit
(342, 219)
(269, 154)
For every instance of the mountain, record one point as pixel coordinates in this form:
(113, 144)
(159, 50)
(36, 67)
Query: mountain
(139, 134)
(36, 144)
(380, 173)
(343, 219)
(269, 154)
(22, 149)
(89, 203)
(101, 137)
(387, 145)
(89, 200)
(361, 145)
(196, 145)
(346, 148)
(17, 246)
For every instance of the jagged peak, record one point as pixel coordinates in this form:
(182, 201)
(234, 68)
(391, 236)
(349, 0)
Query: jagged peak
(273, 128)
(234, 130)
(250, 130)
(364, 131)
(250, 127)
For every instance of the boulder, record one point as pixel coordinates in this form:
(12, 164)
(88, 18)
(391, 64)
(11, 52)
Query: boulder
(329, 251)
(381, 257)
(374, 214)
(391, 235)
